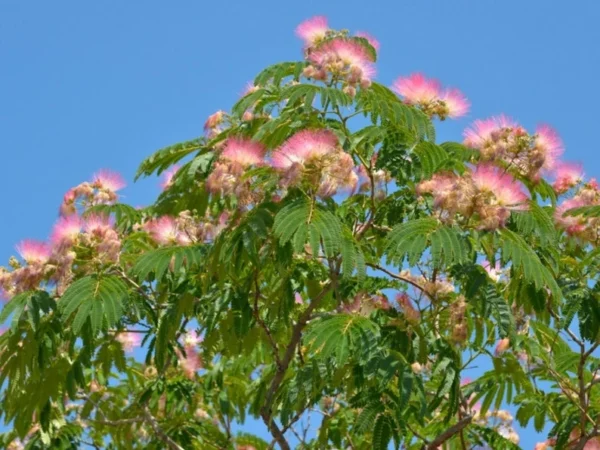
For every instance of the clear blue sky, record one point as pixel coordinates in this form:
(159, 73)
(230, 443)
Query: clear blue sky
(92, 84)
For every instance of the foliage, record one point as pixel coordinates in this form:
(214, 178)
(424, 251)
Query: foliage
(316, 256)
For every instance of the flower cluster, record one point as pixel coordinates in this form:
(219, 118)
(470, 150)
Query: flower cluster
(185, 229)
(101, 190)
(315, 158)
(365, 304)
(336, 55)
(53, 262)
(502, 139)
(429, 96)
(129, 340)
(411, 314)
(485, 196)
(586, 228)
(500, 420)
(215, 123)
(190, 360)
(458, 320)
(227, 178)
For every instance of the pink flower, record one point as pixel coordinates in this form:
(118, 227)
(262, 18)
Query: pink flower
(349, 53)
(298, 299)
(417, 89)
(502, 186)
(549, 142)
(243, 151)
(312, 30)
(493, 272)
(214, 120)
(66, 230)
(111, 181)
(191, 363)
(167, 177)
(573, 224)
(97, 224)
(250, 88)
(411, 314)
(501, 346)
(129, 340)
(304, 146)
(456, 102)
(428, 94)
(191, 339)
(482, 131)
(374, 42)
(34, 251)
(163, 230)
(568, 175)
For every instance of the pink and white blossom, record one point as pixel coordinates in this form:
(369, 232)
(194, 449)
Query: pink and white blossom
(167, 177)
(34, 251)
(97, 224)
(304, 146)
(163, 230)
(245, 152)
(549, 142)
(482, 131)
(129, 340)
(417, 89)
(312, 30)
(456, 103)
(108, 180)
(66, 230)
(567, 175)
(501, 346)
(501, 185)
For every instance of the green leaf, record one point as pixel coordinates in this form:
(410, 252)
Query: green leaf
(585, 211)
(409, 240)
(166, 157)
(312, 220)
(341, 336)
(535, 220)
(366, 418)
(162, 259)
(382, 432)
(526, 262)
(428, 158)
(15, 306)
(277, 72)
(88, 298)
(501, 312)
(125, 216)
(448, 247)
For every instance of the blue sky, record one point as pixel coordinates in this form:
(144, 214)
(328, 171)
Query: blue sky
(88, 85)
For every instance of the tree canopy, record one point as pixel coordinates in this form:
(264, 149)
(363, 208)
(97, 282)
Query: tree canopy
(316, 255)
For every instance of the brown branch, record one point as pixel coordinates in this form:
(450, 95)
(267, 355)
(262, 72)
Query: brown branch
(450, 432)
(399, 277)
(263, 325)
(159, 431)
(116, 423)
(266, 410)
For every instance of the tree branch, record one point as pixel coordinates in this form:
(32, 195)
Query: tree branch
(263, 325)
(159, 431)
(454, 429)
(266, 411)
